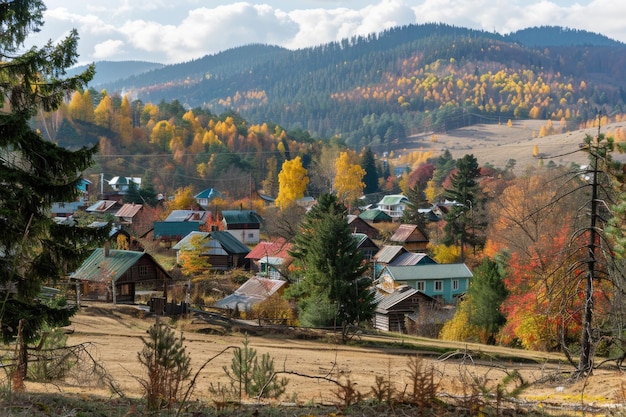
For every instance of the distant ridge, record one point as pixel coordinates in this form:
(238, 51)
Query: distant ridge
(111, 71)
(543, 36)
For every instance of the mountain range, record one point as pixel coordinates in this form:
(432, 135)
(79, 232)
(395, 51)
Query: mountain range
(395, 83)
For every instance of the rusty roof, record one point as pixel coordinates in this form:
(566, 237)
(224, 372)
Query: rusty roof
(129, 210)
(408, 233)
(278, 248)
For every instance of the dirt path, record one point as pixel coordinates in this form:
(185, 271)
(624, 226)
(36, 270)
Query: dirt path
(114, 334)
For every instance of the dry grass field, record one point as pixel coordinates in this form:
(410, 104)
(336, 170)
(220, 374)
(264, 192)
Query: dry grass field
(495, 144)
(113, 334)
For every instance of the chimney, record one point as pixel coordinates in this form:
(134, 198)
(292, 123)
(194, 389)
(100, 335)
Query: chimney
(107, 247)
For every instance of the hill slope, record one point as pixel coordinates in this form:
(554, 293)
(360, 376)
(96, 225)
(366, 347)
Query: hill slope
(407, 80)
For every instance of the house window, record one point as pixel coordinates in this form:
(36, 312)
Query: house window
(250, 235)
(438, 286)
(421, 286)
(143, 270)
(455, 285)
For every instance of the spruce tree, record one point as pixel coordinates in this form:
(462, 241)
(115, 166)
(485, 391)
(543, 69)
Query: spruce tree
(334, 290)
(35, 173)
(368, 163)
(461, 227)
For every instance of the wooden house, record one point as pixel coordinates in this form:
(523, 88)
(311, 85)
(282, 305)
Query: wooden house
(359, 225)
(374, 216)
(222, 250)
(365, 245)
(117, 275)
(392, 310)
(411, 237)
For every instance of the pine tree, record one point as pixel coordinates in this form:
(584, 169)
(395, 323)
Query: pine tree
(34, 174)
(334, 286)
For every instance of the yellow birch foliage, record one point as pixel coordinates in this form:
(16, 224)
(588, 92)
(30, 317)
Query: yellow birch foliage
(348, 184)
(446, 254)
(292, 182)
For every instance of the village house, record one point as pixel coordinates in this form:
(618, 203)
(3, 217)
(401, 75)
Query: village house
(392, 310)
(220, 248)
(365, 245)
(443, 282)
(205, 197)
(393, 205)
(178, 224)
(411, 237)
(119, 275)
(358, 225)
(374, 215)
(396, 255)
(244, 225)
(270, 259)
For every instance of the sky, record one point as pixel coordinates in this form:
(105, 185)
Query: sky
(169, 32)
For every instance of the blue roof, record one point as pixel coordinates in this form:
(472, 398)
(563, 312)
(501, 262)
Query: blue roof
(209, 193)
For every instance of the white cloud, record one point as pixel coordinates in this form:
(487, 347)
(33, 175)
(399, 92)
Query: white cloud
(169, 32)
(107, 49)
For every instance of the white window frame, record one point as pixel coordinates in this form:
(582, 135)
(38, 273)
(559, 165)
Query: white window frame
(421, 286)
(455, 285)
(438, 283)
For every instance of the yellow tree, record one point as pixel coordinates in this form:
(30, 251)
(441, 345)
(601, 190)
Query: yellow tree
(125, 125)
(292, 182)
(191, 259)
(103, 114)
(183, 200)
(162, 134)
(348, 182)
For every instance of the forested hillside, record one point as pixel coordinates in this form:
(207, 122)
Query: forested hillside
(384, 87)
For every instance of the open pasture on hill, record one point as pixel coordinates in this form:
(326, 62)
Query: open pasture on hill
(114, 337)
(495, 144)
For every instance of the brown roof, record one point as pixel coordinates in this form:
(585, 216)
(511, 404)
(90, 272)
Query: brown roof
(277, 249)
(408, 233)
(129, 210)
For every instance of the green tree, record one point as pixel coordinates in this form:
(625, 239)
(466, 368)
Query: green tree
(368, 163)
(461, 228)
(417, 200)
(334, 285)
(34, 174)
(486, 294)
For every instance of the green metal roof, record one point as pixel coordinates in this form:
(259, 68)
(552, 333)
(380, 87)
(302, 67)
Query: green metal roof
(101, 268)
(241, 217)
(375, 214)
(431, 271)
(392, 200)
(229, 242)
